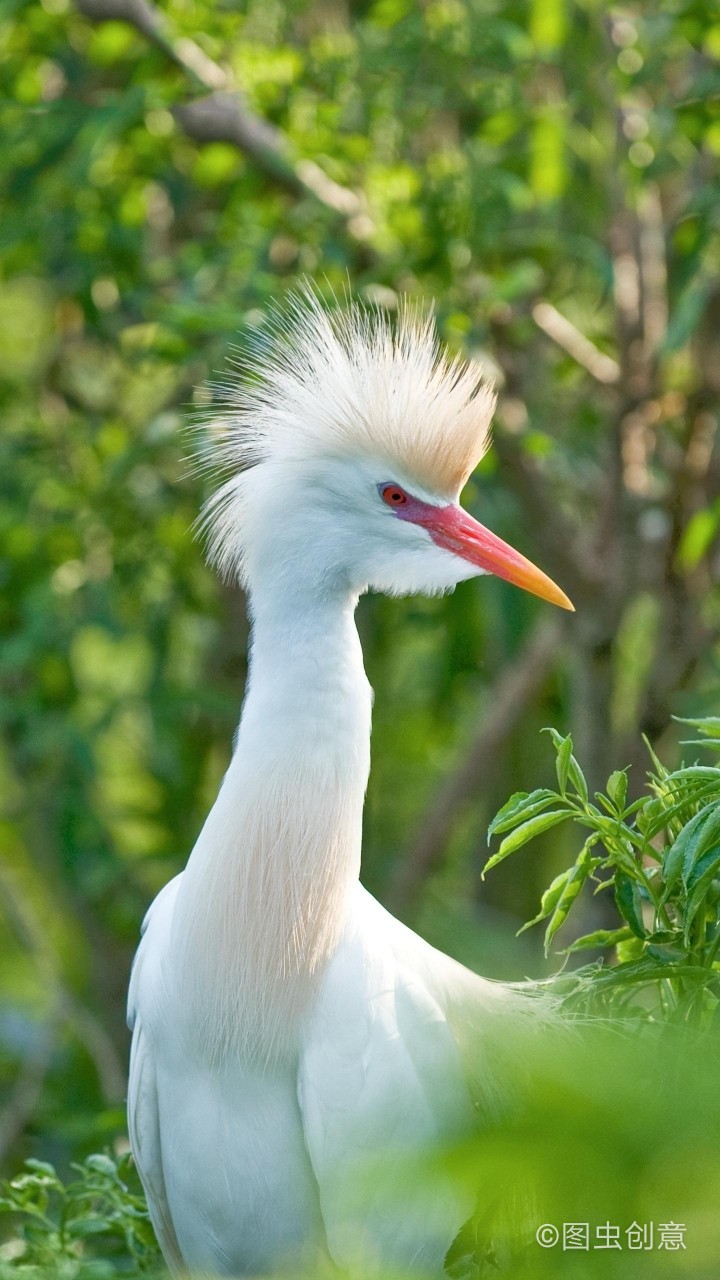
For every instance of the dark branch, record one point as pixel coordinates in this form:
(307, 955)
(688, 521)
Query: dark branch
(517, 685)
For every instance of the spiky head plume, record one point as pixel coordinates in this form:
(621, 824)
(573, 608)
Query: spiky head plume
(347, 383)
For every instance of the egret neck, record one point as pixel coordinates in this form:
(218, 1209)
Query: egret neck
(263, 900)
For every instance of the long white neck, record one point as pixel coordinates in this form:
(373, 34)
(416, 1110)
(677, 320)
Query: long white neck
(263, 899)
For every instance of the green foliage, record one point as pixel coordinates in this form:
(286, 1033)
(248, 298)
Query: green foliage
(94, 1227)
(660, 858)
(596, 1127)
(600, 1128)
(503, 157)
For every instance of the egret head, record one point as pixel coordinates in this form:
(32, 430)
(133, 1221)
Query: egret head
(347, 445)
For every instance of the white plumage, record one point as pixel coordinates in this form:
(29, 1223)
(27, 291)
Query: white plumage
(293, 1044)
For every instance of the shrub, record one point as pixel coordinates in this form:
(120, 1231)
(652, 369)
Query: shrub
(90, 1228)
(659, 857)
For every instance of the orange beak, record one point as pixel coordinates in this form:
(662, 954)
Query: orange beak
(456, 531)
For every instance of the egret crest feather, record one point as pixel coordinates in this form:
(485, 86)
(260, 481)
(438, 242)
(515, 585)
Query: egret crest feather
(346, 382)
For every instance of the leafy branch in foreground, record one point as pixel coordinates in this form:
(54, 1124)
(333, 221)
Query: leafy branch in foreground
(92, 1228)
(660, 858)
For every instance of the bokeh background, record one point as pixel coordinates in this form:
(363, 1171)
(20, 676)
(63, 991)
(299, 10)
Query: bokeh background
(546, 171)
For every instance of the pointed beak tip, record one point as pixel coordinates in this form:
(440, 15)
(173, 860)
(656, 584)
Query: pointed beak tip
(548, 590)
(532, 579)
(565, 603)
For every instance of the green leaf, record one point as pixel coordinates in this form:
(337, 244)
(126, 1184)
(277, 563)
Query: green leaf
(647, 969)
(95, 1226)
(522, 804)
(627, 900)
(600, 938)
(577, 777)
(617, 785)
(41, 1166)
(709, 725)
(697, 869)
(693, 772)
(102, 1164)
(557, 738)
(630, 949)
(698, 536)
(522, 834)
(657, 815)
(619, 855)
(576, 879)
(566, 765)
(704, 872)
(562, 763)
(666, 953)
(661, 771)
(549, 900)
(696, 837)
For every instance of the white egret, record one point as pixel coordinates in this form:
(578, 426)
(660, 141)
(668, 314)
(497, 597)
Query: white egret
(292, 1041)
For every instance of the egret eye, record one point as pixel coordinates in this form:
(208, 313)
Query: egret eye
(393, 495)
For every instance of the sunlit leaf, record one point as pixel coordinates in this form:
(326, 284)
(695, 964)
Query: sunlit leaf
(576, 879)
(526, 831)
(521, 805)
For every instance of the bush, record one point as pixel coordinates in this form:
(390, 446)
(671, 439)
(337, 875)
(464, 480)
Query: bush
(660, 858)
(87, 1229)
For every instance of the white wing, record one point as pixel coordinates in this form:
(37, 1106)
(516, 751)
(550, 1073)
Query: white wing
(493, 1024)
(406, 1049)
(219, 1148)
(143, 1112)
(380, 1079)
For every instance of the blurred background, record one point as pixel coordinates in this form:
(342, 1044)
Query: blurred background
(547, 172)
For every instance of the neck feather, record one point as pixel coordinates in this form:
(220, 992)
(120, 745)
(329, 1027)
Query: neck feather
(263, 899)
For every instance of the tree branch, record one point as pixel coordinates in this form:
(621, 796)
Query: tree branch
(564, 333)
(517, 684)
(224, 116)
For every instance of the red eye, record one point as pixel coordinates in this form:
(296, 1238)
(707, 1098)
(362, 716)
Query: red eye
(393, 495)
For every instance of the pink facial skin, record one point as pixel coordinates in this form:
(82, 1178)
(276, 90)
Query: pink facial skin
(454, 530)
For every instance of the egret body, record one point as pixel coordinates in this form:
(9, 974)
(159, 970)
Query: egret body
(293, 1044)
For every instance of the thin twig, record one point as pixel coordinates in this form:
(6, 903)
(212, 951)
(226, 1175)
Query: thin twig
(563, 332)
